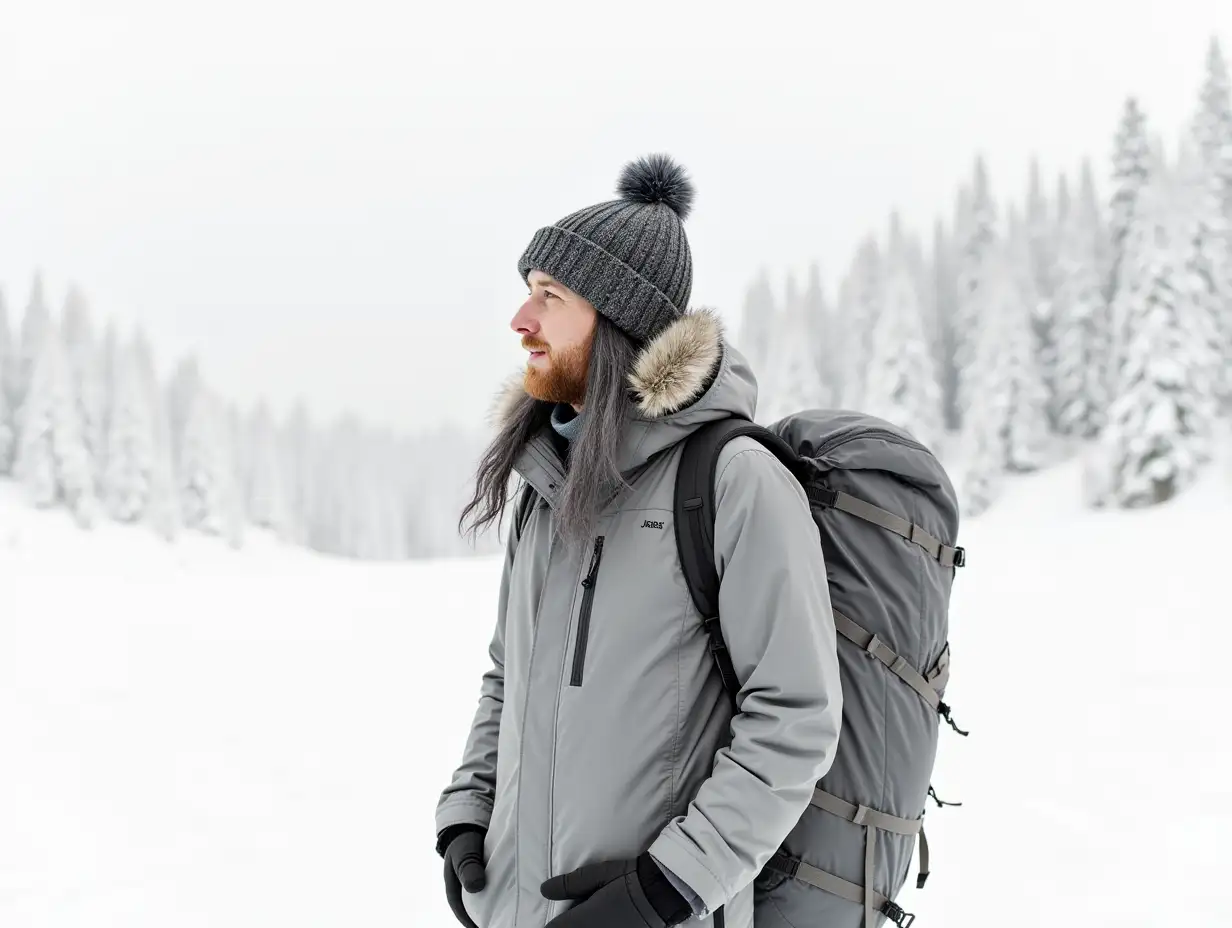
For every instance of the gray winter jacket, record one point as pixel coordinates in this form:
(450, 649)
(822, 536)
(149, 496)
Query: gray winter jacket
(603, 729)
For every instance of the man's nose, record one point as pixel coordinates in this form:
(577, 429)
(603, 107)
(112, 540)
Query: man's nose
(525, 321)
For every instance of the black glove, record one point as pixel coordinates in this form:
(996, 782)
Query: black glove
(463, 853)
(617, 894)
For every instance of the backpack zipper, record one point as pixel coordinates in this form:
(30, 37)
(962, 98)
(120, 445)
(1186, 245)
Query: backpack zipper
(854, 432)
(583, 632)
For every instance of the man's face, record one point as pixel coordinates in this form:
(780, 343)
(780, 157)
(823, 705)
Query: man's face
(556, 326)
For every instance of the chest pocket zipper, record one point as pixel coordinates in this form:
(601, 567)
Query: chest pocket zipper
(583, 631)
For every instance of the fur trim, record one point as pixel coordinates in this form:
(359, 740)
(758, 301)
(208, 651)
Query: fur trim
(507, 398)
(673, 368)
(671, 371)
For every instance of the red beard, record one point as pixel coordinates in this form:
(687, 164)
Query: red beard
(564, 379)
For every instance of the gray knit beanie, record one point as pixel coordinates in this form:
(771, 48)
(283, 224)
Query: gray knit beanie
(629, 257)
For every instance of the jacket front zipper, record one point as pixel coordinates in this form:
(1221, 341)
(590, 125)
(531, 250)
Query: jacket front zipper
(583, 632)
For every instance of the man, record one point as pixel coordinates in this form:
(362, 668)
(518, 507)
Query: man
(606, 782)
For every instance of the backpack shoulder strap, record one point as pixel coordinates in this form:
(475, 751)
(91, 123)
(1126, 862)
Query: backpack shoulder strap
(694, 523)
(526, 505)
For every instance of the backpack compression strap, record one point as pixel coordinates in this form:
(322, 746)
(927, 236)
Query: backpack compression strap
(946, 555)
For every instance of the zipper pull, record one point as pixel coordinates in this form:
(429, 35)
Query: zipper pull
(589, 581)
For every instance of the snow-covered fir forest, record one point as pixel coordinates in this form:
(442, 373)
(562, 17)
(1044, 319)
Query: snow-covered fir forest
(1040, 326)
(87, 424)
(1062, 321)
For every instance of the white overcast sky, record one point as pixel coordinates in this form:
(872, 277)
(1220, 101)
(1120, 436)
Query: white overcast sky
(330, 199)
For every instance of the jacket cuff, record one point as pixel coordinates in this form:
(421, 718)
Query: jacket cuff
(689, 867)
(463, 811)
(692, 898)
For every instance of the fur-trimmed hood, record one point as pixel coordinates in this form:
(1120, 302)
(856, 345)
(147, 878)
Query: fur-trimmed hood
(687, 375)
(671, 371)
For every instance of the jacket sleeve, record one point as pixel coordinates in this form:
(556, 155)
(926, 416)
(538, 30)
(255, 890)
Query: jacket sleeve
(470, 794)
(774, 609)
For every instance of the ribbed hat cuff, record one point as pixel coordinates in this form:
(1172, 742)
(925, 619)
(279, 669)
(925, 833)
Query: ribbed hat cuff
(616, 290)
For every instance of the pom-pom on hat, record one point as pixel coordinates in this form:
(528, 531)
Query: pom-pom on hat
(629, 256)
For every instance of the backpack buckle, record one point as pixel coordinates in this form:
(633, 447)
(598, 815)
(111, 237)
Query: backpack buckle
(960, 557)
(895, 913)
(821, 494)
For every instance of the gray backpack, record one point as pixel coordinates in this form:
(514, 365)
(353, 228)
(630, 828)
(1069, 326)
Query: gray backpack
(888, 516)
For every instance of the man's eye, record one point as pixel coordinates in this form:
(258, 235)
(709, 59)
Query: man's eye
(550, 295)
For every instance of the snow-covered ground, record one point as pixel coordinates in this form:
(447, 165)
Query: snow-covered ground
(198, 737)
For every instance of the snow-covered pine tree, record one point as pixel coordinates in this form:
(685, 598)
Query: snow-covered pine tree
(239, 434)
(859, 299)
(1028, 405)
(85, 367)
(902, 385)
(388, 515)
(921, 270)
(340, 463)
(368, 510)
(1040, 230)
(1051, 360)
(34, 327)
(1041, 233)
(757, 322)
(8, 361)
(1064, 201)
(1213, 124)
(792, 379)
(975, 232)
(988, 401)
(1212, 131)
(204, 471)
(1081, 395)
(349, 517)
(324, 512)
(1088, 202)
(164, 506)
(107, 366)
(821, 330)
(917, 263)
(382, 499)
(128, 479)
(35, 461)
(1209, 262)
(236, 454)
(183, 387)
(296, 439)
(1152, 446)
(945, 313)
(264, 484)
(791, 310)
(415, 542)
(52, 461)
(1130, 159)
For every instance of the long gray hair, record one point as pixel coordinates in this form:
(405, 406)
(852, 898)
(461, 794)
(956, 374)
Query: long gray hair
(593, 474)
